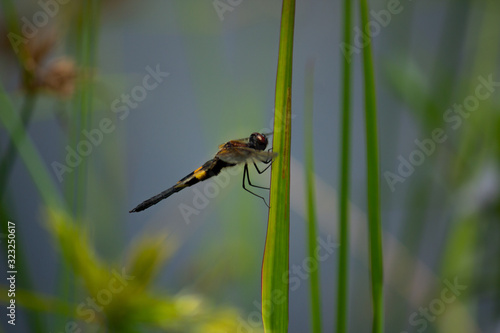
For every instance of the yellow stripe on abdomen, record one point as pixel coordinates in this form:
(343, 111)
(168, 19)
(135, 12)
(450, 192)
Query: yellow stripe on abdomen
(200, 175)
(196, 176)
(206, 171)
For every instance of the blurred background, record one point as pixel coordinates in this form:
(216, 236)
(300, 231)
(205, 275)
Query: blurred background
(121, 99)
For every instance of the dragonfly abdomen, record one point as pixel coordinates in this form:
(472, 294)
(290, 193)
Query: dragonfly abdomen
(154, 200)
(209, 169)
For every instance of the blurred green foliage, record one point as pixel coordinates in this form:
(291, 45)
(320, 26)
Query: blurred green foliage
(121, 298)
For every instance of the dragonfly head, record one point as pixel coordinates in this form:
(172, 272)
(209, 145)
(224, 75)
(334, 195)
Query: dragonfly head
(258, 141)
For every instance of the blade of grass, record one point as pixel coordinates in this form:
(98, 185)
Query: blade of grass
(19, 131)
(343, 273)
(10, 155)
(80, 119)
(373, 190)
(310, 199)
(28, 153)
(86, 39)
(40, 175)
(8, 159)
(275, 263)
(24, 281)
(14, 34)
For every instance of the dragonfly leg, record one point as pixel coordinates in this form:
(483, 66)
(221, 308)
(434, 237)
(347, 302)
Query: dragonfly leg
(267, 167)
(269, 162)
(247, 176)
(260, 172)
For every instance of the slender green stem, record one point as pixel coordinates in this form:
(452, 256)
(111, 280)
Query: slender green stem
(24, 280)
(20, 131)
(28, 153)
(14, 32)
(35, 166)
(310, 199)
(373, 186)
(27, 76)
(80, 119)
(275, 263)
(86, 53)
(17, 132)
(343, 273)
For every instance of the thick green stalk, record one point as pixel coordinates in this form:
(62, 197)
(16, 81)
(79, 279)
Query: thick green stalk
(275, 263)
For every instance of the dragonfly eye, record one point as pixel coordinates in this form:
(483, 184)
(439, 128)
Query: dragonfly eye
(258, 141)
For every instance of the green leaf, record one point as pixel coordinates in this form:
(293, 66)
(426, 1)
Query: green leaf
(72, 241)
(373, 186)
(28, 153)
(343, 272)
(148, 255)
(275, 264)
(312, 223)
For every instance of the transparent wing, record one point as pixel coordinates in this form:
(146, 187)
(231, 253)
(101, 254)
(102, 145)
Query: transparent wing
(242, 142)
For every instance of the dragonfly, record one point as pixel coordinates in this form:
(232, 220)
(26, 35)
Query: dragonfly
(232, 153)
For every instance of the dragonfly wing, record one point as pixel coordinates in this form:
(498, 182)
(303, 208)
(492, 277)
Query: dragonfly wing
(238, 155)
(233, 155)
(264, 156)
(237, 142)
